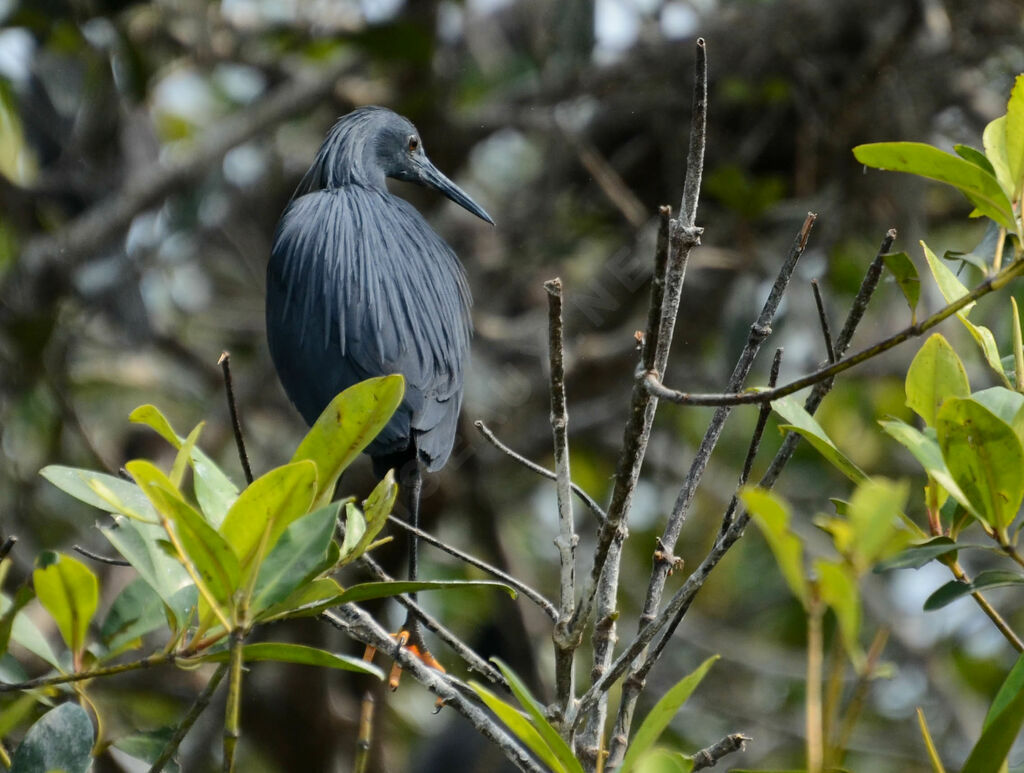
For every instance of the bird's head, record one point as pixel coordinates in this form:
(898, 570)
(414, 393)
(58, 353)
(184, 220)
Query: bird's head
(372, 143)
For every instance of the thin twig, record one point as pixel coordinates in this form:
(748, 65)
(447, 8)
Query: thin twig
(996, 282)
(664, 559)
(194, 712)
(709, 757)
(364, 629)
(530, 593)
(860, 692)
(823, 320)
(473, 661)
(236, 425)
(997, 619)
(7, 547)
(97, 557)
(365, 738)
(565, 643)
(233, 709)
(160, 659)
(588, 500)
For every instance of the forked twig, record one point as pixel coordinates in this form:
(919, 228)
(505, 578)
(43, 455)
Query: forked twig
(236, 425)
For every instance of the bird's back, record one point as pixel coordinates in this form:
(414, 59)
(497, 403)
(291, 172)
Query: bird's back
(359, 285)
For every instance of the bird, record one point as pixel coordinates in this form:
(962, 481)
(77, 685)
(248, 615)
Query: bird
(359, 285)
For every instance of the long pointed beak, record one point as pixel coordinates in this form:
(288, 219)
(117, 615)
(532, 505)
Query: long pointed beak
(431, 176)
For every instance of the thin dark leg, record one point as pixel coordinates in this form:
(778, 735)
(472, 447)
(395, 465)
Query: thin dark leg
(414, 488)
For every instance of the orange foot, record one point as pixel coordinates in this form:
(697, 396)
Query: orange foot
(417, 650)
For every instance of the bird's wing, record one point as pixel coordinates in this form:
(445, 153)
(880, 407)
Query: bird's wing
(359, 285)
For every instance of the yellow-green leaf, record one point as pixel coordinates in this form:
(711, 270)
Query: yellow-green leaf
(771, 514)
(69, 591)
(838, 589)
(935, 374)
(520, 726)
(801, 422)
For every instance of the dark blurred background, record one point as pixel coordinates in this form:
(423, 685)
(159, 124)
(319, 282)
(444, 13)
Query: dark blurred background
(568, 122)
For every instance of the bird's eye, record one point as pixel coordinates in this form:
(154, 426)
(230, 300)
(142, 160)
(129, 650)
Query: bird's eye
(414, 143)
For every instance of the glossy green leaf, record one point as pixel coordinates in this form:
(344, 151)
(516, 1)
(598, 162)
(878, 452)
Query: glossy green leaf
(264, 510)
(346, 426)
(376, 509)
(61, 740)
(985, 457)
(1007, 404)
(916, 556)
(207, 552)
(954, 589)
(838, 589)
(551, 737)
(355, 528)
(181, 459)
(925, 448)
(69, 591)
(1002, 726)
(105, 492)
(905, 273)
(662, 760)
(520, 726)
(801, 422)
(136, 611)
(139, 544)
(982, 188)
(935, 374)
(873, 513)
(771, 514)
(285, 652)
(148, 746)
(214, 490)
(300, 553)
(975, 156)
(1015, 138)
(307, 600)
(994, 141)
(664, 710)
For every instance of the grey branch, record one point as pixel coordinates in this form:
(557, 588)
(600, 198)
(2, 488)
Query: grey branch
(363, 628)
(709, 757)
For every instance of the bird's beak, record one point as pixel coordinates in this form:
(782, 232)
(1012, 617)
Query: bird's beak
(432, 177)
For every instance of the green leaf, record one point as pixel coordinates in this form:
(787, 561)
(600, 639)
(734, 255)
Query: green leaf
(355, 528)
(136, 611)
(181, 460)
(925, 448)
(975, 156)
(214, 490)
(917, 556)
(61, 740)
(520, 726)
(379, 590)
(299, 554)
(27, 635)
(148, 746)
(929, 744)
(16, 712)
(664, 710)
(69, 591)
(209, 554)
(307, 600)
(284, 652)
(905, 274)
(1015, 138)
(661, 760)
(346, 426)
(771, 514)
(952, 290)
(1002, 725)
(18, 162)
(22, 597)
(551, 737)
(935, 374)
(1007, 404)
(801, 422)
(984, 456)
(994, 141)
(983, 190)
(838, 588)
(264, 510)
(954, 589)
(139, 544)
(376, 509)
(105, 492)
(873, 512)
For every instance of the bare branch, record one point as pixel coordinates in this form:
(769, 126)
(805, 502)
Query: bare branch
(565, 642)
(588, 500)
(97, 557)
(534, 595)
(236, 424)
(823, 320)
(194, 712)
(709, 757)
(363, 628)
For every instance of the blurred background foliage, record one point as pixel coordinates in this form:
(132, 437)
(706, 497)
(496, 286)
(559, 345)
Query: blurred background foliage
(567, 121)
